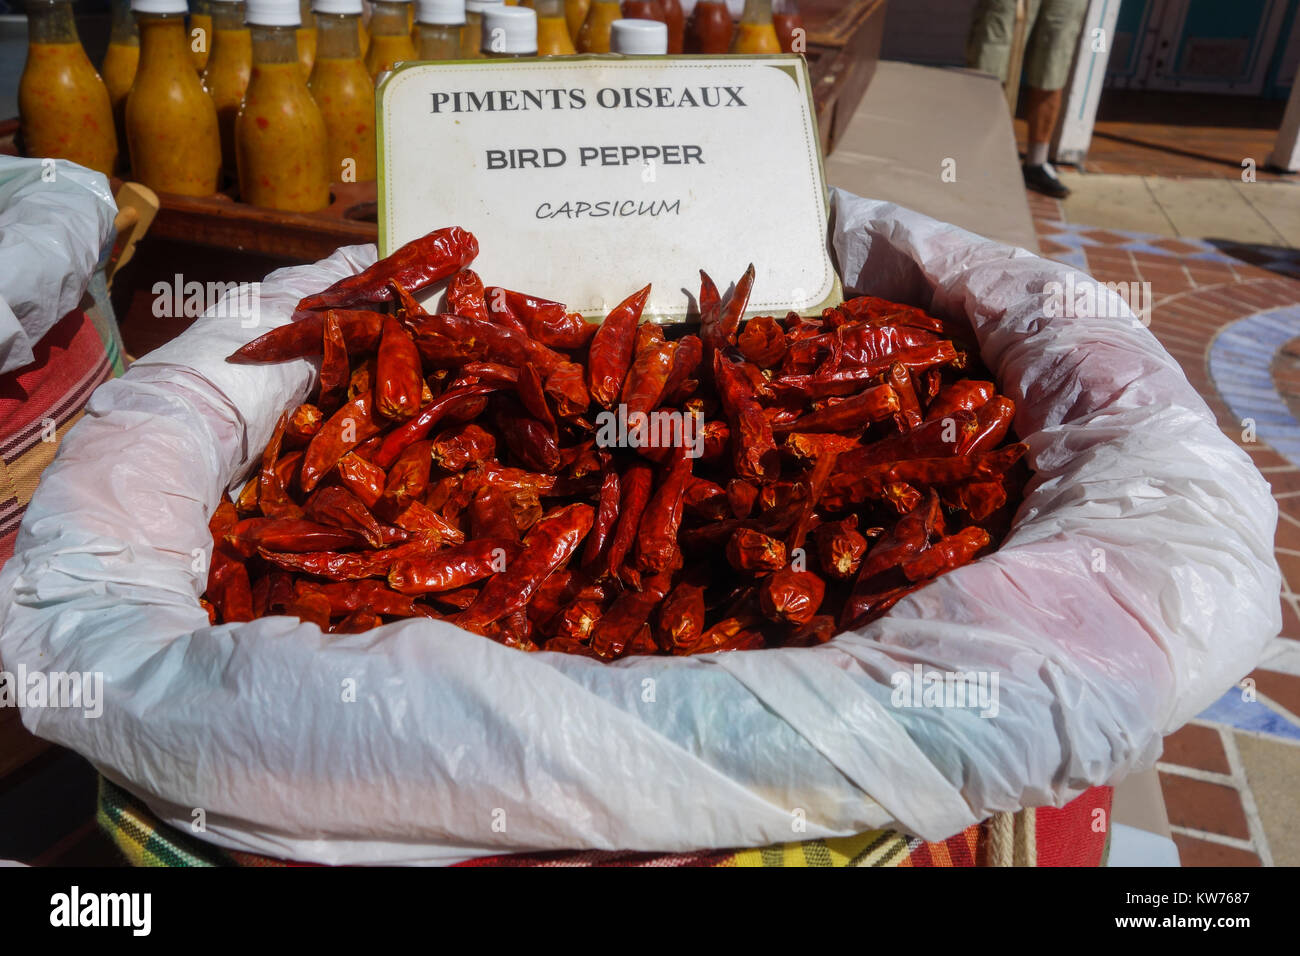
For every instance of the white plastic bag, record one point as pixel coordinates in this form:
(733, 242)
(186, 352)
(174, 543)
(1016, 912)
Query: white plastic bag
(456, 746)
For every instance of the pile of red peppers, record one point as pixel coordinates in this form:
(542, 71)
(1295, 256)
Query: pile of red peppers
(455, 466)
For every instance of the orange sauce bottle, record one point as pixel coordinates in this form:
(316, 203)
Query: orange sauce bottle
(305, 36)
(757, 32)
(390, 36)
(643, 10)
(280, 138)
(787, 19)
(575, 12)
(710, 28)
(342, 88)
(594, 35)
(118, 69)
(552, 29)
(439, 29)
(472, 38)
(171, 122)
(226, 78)
(201, 33)
(63, 105)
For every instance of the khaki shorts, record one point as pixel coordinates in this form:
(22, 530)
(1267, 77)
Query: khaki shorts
(1053, 32)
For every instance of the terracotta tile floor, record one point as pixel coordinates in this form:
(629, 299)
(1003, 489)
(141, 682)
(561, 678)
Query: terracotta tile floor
(1230, 314)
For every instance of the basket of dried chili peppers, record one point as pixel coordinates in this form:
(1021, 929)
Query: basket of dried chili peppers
(482, 561)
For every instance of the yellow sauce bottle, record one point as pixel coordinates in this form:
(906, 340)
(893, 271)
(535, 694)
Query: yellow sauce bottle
(201, 33)
(390, 36)
(757, 32)
(363, 35)
(439, 29)
(63, 105)
(118, 69)
(575, 13)
(171, 123)
(226, 77)
(305, 36)
(509, 32)
(594, 35)
(280, 137)
(552, 29)
(342, 88)
(472, 38)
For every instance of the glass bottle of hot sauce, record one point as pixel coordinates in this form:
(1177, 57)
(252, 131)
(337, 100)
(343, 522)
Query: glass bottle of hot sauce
(472, 39)
(342, 88)
(594, 35)
(676, 20)
(280, 136)
(575, 13)
(786, 17)
(439, 25)
(643, 10)
(710, 28)
(552, 30)
(390, 36)
(305, 37)
(171, 122)
(118, 69)
(638, 37)
(226, 77)
(63, 105)
(509, 32)
(757, 32)
(200, 33)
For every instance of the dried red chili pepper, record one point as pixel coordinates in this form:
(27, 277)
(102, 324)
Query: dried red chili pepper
(335, 505)
(567, 386)
(657, 548)
(335, 372)
(491, 516)
(454, 567)
(347, 597)
(595, 551)
(358, 622)
(304, 338)
(547, 546)
(546, 321)
(362, 478)
(946, 554)
(625, 619)
(408, 478)
(791, 596)
(463, 446)
(448, 341)
(753, 449)
(346, 428)
(465, 296)
(706, 500)
(610, 355)
(909, 414)
(753, 551)
(289, 534)
(840, 547)
(686, 360)
(762, 342)
(648, 377)
(992, 422)
(637, 483)
(304, 422)
(681, 617)
(718, 326)
(419, 263)
(418, 427)
(397, 370)
(310, 608)
(964, 395)
(858, 411)
(272, 496)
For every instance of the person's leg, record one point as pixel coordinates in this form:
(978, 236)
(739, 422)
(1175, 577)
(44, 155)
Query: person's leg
(988, 45)
(1048, 58)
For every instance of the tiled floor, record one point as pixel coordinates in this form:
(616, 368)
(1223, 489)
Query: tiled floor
(1229, 311)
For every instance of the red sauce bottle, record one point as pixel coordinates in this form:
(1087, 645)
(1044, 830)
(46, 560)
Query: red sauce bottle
(786, 18)
(676, 21)
(711, 28)
(644, 10)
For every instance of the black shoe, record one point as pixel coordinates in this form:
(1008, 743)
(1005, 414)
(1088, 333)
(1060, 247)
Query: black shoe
(1043, 179)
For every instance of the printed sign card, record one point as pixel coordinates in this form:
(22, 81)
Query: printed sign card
(584, 178)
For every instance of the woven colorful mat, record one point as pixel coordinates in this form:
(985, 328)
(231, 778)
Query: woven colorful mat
(147, 841)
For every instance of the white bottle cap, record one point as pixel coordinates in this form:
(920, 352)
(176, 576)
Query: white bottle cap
(273, 13)
(160, 6)
(448, 12)
(337, 6)
(510, 30)
(638, 36)
(481, 6)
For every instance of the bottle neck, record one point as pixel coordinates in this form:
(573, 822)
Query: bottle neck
(388, 19)
(201, 6)
(337, 37)
(162, 37)
(228, 16)
(274, 44)
(786, 7)
(124, 32)
(50, 21)
(306, 15)
(757, 11)
(549, 8)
